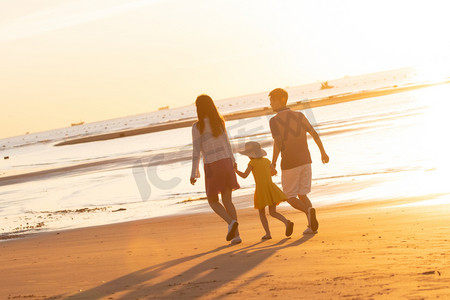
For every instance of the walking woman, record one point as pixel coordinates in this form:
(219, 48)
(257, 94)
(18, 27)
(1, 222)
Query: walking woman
(210, 140)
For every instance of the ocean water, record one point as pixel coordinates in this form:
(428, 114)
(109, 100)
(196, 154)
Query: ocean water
(392, 147)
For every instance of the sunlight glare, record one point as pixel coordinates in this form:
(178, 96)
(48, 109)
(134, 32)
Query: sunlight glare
(433, 72)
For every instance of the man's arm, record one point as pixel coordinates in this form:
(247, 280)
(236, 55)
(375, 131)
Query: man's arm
(276, 153)
(315, 135)
(276, 142)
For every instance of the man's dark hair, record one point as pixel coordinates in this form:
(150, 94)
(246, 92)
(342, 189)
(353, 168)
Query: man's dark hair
(278, 94)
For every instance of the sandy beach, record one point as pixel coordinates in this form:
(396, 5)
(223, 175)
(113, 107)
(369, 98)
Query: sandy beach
(362, 251)
(99, 148)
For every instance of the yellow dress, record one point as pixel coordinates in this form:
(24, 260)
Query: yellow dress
(267, 193)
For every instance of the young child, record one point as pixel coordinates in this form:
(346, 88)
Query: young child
(267, 193)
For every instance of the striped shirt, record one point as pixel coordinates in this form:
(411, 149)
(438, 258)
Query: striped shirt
(209, 147)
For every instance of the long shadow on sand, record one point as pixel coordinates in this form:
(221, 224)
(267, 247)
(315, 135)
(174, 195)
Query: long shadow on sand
(201, 279)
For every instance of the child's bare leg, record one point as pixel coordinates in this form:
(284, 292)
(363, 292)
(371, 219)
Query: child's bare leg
(289, 225)
(265, 224)
(273, 212)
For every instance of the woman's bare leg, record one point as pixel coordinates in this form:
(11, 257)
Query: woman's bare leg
(229, 207)
(218, 208)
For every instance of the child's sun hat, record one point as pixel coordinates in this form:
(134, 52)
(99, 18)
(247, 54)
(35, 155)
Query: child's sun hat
(253, 149)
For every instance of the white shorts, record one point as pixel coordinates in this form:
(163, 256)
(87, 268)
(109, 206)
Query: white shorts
(296, 181)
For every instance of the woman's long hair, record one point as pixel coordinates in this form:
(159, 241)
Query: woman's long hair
(207, 109)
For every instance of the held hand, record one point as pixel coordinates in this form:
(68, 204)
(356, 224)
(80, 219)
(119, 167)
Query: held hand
(193, 180)
(273, 170)
(325, 158)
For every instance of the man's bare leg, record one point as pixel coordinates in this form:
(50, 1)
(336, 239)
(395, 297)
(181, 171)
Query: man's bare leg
(310, 212)
(305, 201)
(299, 204)
(303, 204)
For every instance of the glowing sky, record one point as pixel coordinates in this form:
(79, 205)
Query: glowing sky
(65, 61)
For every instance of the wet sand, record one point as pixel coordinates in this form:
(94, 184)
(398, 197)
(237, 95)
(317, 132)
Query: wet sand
(362, 251)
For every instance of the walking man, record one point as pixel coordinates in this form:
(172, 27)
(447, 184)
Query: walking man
(289, 130)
